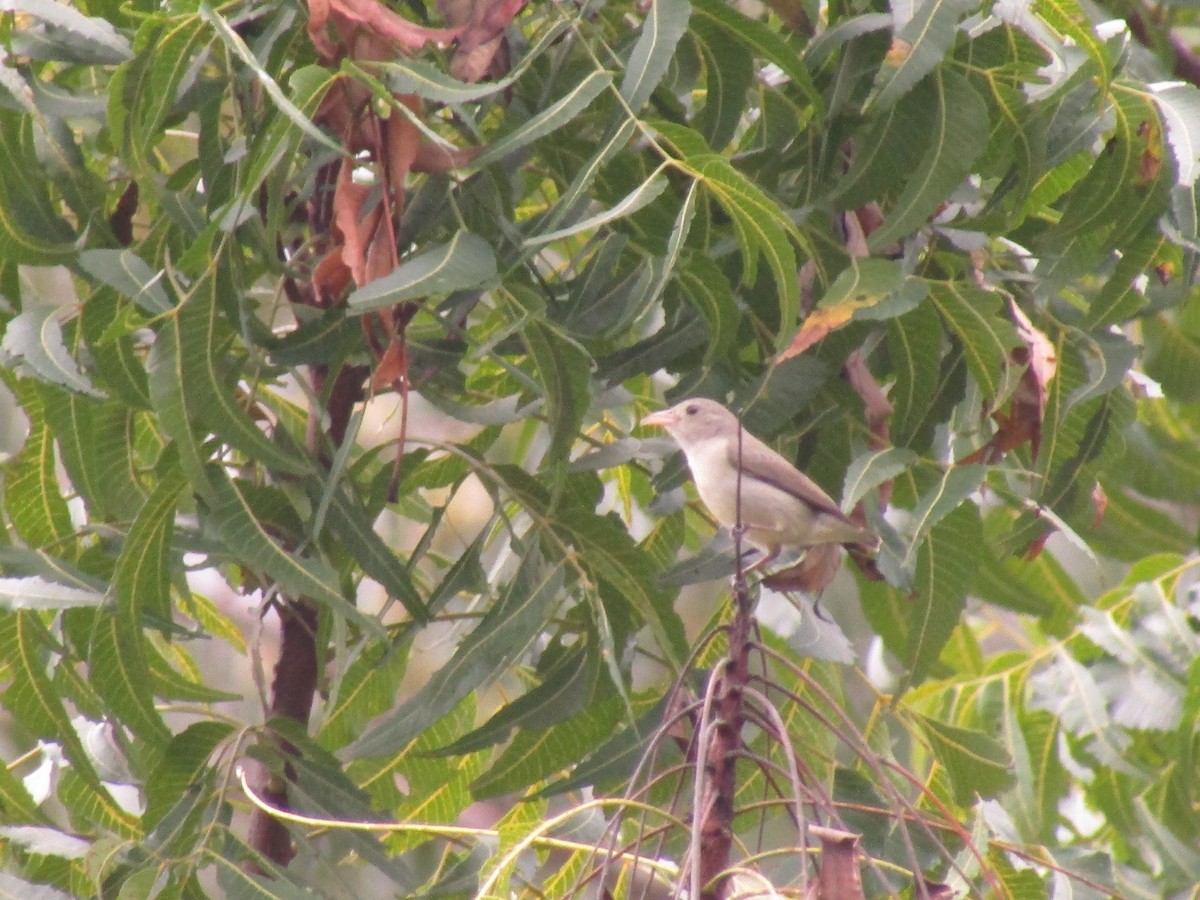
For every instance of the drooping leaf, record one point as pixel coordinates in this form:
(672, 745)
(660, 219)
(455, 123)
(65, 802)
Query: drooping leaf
(918, 46)
(954, 142)
(466, 262)
(665, 23)
(946, 570)
(501, 637)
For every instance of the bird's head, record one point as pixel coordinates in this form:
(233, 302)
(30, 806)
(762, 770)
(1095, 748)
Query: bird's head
(695, 421)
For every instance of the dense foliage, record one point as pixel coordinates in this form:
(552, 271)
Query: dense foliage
(943, 254)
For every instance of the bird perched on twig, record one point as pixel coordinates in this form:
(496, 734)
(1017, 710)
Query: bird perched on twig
(780, 505)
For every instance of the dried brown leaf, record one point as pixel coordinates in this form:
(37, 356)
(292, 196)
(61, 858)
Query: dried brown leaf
(876, 406)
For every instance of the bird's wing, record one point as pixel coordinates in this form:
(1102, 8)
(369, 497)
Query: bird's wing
(761, 462)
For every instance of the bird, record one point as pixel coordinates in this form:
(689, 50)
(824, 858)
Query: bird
(780, 505)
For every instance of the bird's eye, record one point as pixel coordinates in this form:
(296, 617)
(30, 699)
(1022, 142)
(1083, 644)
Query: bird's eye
(693, 409)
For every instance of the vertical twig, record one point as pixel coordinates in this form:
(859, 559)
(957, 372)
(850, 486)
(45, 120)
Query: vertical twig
(719, 753)
(294, 685)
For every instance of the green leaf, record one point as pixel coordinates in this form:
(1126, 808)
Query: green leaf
(180, 767)
(367, 688)
(665, 23)
(972, 314)
(946, 569)
(34, 592)
(188, 386)
(129, 275)
(762, 227)
(33, 699)
(978, 764)
(956, 484)
(872, 469)
(640, 197)
(349, 523)
(466, 262)
(565, 687)
(606, 552)
(414, 76)
(554, 117)
(1179, 105)
(925, 38)
(234, 42)
(705, 287)
(500, 638)
(956, 140)
(142, 579)
(240, 529)
(31, 229)
(33, 344)
(914, 344)
(728, 77)
(36, 508)
(117, 670)
(759, 40)
(1121, 297)
(536, 755)
(145, 90)
(565, 371)
(94, 36)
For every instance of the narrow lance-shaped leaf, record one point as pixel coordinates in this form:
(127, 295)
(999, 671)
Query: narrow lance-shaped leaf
(565, 687)
(919, 46)
(97, 35)
(35, 592)
(241, 531)
(978, 764)
(32, 496)
(31, 230)
(565, 370)
(348, 521)
(758, 39)
(551, 119)
(465, 263)
(536, 754)
(128, 274)
(665, 23)
(501, 637)
(639, 198)
(33, 699)
(872, 469)
(414, 76)
(141, 583)
(33, 341)
(974, 316)
(188, 386)
(235, 43)
(762, 228)
(946, 566)
(956, 141)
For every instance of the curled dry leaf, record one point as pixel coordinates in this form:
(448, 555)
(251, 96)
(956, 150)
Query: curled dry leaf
(876, 406)
(349, 225)
(433, 158)
(482, 48)
(1022, 422)
(330, 278)
(1028, 406)
(348, 17)
(819, 323)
